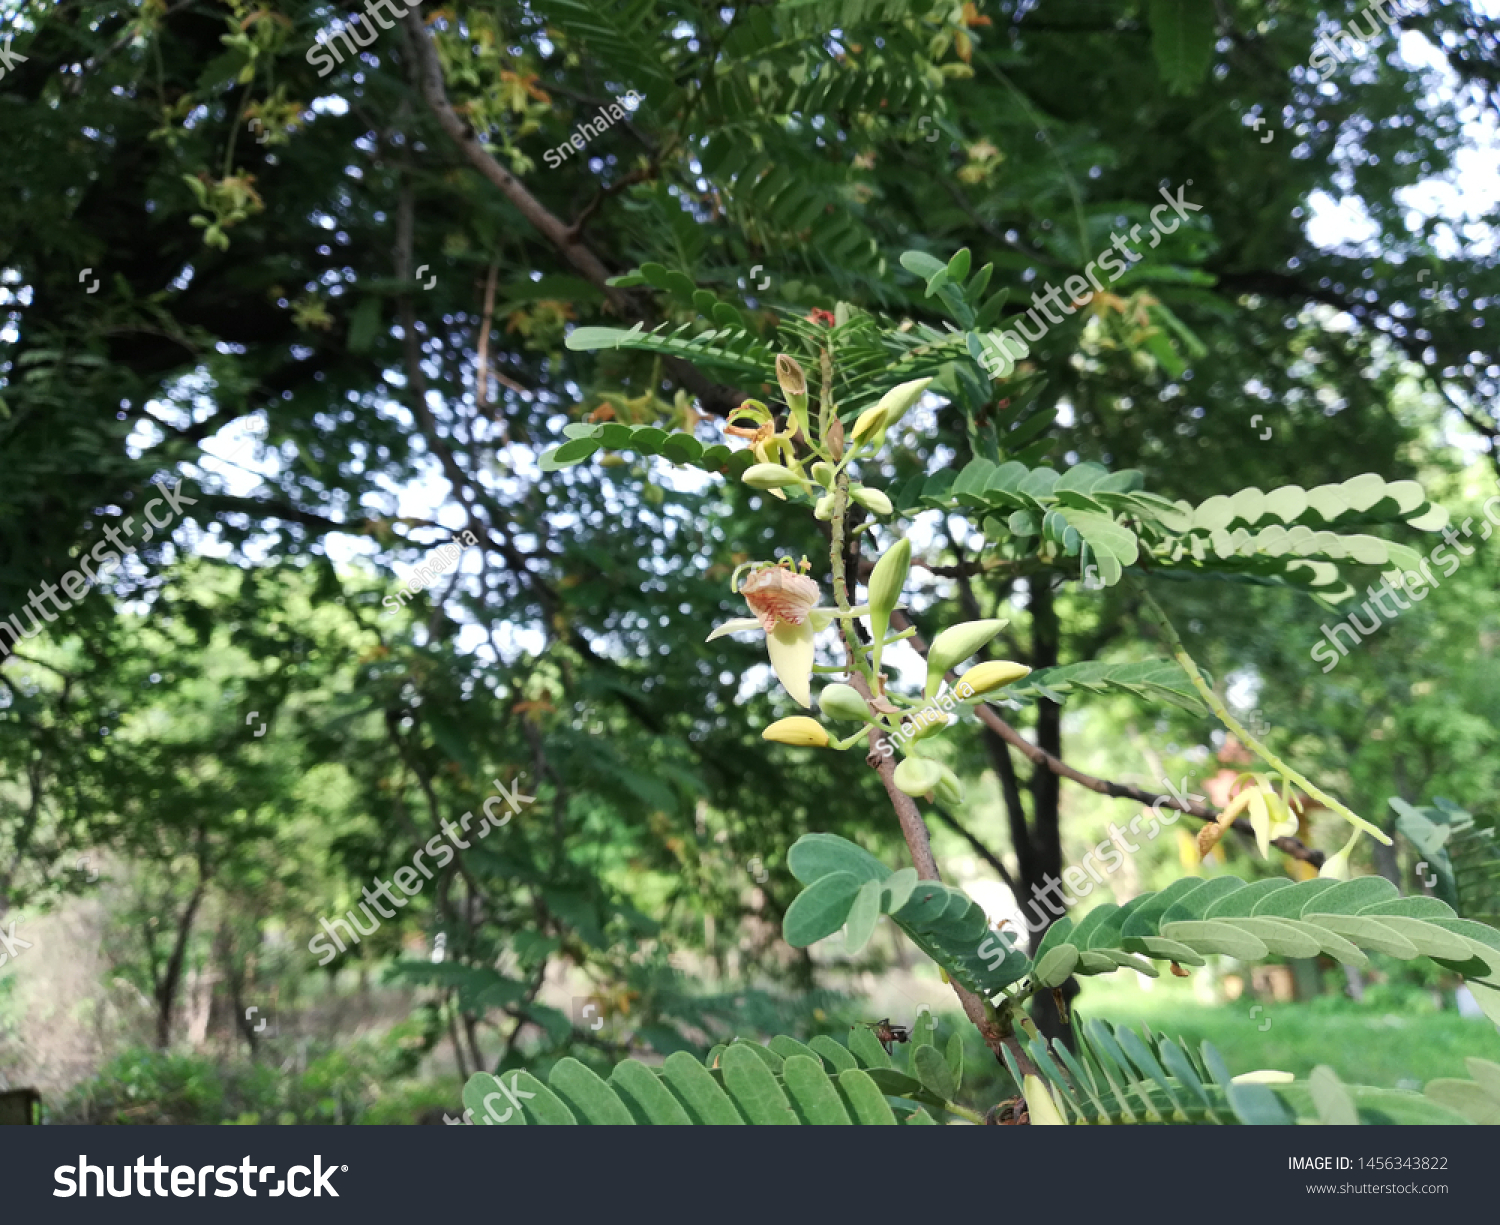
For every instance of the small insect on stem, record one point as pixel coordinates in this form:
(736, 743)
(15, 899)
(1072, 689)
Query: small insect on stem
(888, 1033)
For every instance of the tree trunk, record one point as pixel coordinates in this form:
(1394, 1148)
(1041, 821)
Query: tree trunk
(171, 979)
(1045, 862)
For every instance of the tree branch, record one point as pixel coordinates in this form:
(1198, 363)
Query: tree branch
(1121, 791)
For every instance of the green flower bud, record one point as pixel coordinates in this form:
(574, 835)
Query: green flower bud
(769, 476)
(950, 789)
(1336, 867)
(894, 404)
(823, 509)
(886, 582)
(839, 701)
(917, 776)
(926, 722)
(822, 472)
(954, 645)
(794, 388)
(872, 500)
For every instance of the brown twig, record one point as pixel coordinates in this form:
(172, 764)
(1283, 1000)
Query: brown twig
(919, 846)
(482, 348)
(1120, 791)
(717, 399)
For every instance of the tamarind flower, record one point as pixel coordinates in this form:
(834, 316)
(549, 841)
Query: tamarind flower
(785, 603)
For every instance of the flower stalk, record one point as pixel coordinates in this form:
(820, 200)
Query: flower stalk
(1221, 711)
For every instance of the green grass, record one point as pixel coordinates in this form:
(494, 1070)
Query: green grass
(1388, 1046)
(1366, 1044)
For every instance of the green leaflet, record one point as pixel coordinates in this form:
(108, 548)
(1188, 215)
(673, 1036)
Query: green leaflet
(866, 1102)
(816, 855)
(1207, 936)
(587, 1096)
(645, 1096)
(814, 1096)
(1334, 1102)
(698, 1091)
(820, 909)
(863, 916)
(1182, 40)
(834, 1055)
(679, 448)
(866, 1046)
(1053, 969)
(933, 1071)
(754, 1089)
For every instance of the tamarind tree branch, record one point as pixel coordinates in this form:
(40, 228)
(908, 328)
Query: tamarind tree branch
(1293, 847)
(717, 398)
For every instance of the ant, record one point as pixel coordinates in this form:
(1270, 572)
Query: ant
(888, 1033)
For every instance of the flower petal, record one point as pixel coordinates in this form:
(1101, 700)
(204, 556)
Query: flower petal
(735, 625)
(791, 651)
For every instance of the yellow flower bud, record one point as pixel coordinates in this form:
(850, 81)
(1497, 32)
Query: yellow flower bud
(894, 404)
(822, 472)
(982, 678)
(868, 424)
(872, 500)
(954, 645)
(798, 730)
(1040, 1107)
(843, 702)
(917, 775)
(769, 476)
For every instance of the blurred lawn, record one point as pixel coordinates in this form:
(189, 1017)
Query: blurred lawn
(1386, 1045)
(1370, 1044)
